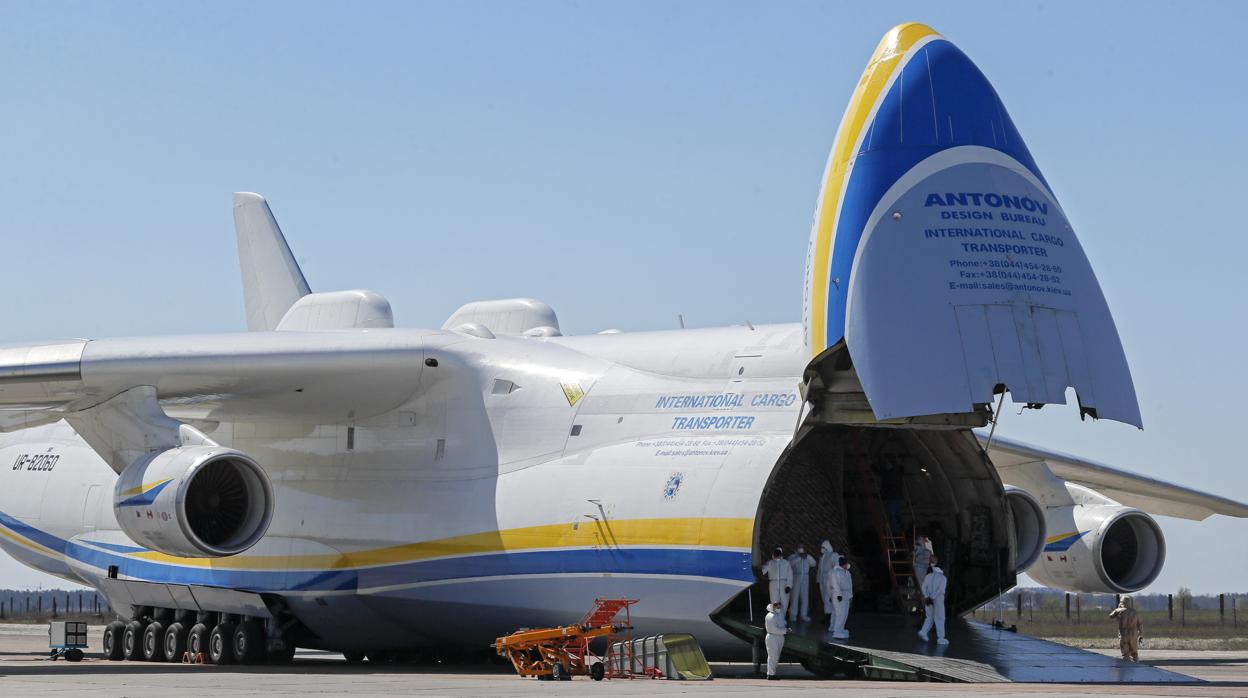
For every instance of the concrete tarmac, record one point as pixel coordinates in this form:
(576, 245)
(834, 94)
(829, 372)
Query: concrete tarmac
(26, 671)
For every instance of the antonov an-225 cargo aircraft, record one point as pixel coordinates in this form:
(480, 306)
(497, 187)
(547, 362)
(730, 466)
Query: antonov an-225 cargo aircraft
(327, 480)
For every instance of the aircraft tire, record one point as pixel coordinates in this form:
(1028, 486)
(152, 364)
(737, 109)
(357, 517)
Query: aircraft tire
(132, 641)
(154, 642)
(354, 657)
(248, 639)
(114, 633)
(221, 644)
(197, 639)
(597, 671)
(175, 642)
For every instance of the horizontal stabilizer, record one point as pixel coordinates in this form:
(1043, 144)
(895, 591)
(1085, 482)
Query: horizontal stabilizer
(272, 280)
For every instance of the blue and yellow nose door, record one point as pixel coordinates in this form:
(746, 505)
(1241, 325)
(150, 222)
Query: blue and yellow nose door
(941, 267)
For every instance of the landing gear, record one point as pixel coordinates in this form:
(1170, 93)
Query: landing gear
(197, 640)
(154, 642)
(113, 638)
(132, 641)
(169, 635)
(221, 644)
(559, 673)
(597, 671)
(175, 642)
(248, 642)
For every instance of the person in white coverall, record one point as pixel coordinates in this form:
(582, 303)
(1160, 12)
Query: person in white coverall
(827, 562)
(842, 596)
(776, 630)
(922, 557)
(934, 604)
(801, 564)
(779, 578)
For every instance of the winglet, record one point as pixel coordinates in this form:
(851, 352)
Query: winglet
(272, 280)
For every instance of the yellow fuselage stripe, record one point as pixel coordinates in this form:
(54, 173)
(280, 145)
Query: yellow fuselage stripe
(692, 532)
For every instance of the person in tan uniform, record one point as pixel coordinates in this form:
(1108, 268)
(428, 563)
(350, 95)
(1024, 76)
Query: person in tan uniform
(1130, 628)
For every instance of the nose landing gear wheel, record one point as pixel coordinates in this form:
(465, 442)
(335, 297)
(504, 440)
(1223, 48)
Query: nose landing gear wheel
(113, 637)
(132, 641)
(221, 644)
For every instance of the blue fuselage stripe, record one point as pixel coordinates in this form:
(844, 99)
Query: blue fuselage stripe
(724, 564)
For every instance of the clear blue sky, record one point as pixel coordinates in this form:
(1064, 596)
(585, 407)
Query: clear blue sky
(623, 162)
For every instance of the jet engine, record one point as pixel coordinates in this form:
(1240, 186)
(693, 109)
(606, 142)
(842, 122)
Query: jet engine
(194, 501)
(1100, 546)
(1027, 517)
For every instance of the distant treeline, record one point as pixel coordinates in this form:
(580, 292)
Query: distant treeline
(27, 604)
(1043, 597)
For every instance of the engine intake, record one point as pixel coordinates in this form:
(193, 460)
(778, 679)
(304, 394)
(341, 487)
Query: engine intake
(1130, 552)
(195, 501)
(1027, 517)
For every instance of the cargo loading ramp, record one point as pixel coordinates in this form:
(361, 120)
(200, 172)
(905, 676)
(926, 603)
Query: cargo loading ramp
(884, 647)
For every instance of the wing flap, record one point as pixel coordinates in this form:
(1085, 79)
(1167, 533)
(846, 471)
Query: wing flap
(1145, 493)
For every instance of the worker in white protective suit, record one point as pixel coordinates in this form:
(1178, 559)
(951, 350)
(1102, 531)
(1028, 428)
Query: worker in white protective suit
(779, 578)
(801, 564)
(922, 558)
(842, 595)
(934, 604)
(776, 630)
(827, 562)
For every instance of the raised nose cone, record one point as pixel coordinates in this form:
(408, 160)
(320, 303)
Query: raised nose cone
(938, 246)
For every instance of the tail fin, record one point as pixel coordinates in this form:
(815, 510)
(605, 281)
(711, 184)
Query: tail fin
(272, 280)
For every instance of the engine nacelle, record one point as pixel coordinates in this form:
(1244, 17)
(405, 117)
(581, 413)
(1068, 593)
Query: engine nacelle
(1100, 546)
(1027, 517)
(194, 501)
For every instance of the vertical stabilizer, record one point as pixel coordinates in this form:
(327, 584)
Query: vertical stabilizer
(272, 280)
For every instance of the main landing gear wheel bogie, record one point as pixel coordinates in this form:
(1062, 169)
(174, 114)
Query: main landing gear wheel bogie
(175, 642)
(248, 639)
(114, 633)
(132, 641)
(154, 642)
(221, 644)
(197, 640)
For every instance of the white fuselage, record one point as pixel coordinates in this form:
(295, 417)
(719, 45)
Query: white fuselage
(522, 478)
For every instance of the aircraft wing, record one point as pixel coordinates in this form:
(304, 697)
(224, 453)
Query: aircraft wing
(330, 376)
(1150, 495)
